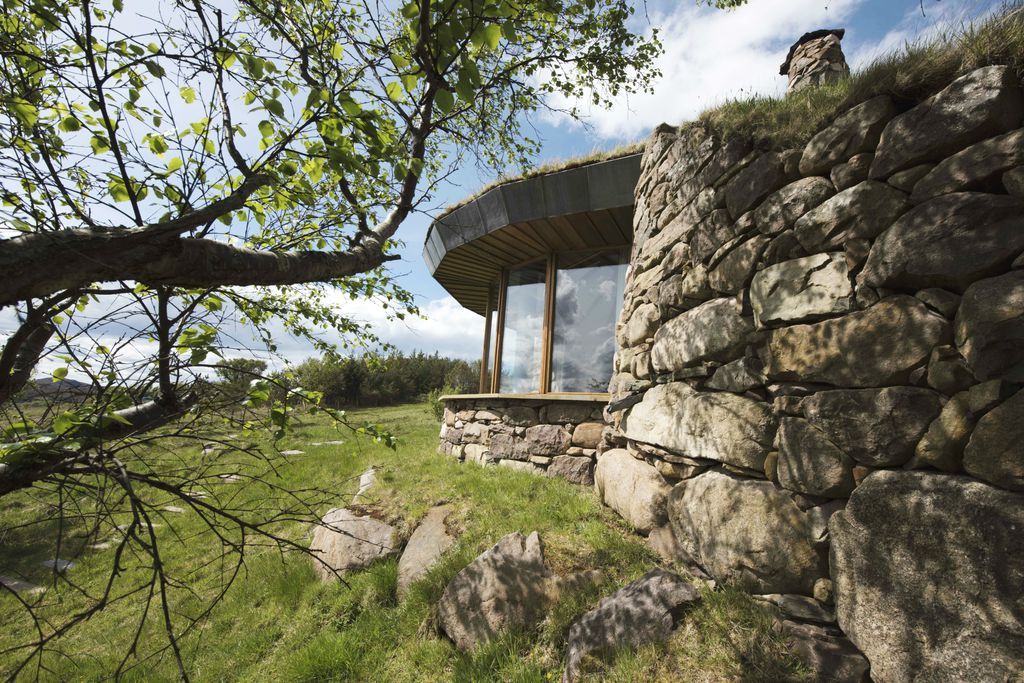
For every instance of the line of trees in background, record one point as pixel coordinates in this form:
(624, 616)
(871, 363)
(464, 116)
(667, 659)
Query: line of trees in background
(364, 381)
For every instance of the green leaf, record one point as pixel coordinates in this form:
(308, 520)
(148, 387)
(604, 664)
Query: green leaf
(395, 91)
(59, 374)
(492, 35)
(188, 94)
(266, 128)
(99, 145)
(158, 144)
(64, 422)
(275, 108)
(445, 100)
(465, 91)
(155, 69)
(351, 107)
(174, 164)
(118, 190)
(70, 124)
(337, 51)
(25, 111)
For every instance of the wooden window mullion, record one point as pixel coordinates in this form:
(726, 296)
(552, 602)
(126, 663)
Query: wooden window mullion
(502, 297)
(549, 325)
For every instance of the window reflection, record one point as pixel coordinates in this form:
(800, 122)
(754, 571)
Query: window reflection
(588, 295)
(523, 337)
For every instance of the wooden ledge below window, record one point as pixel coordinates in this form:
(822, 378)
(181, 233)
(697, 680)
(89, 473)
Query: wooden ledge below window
(577, 398)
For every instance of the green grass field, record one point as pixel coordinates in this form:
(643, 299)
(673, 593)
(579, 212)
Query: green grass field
(277, 622)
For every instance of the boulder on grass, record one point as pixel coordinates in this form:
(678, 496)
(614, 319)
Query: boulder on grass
(345, 541)
(504, 589)
(644, 611)
(425, 547)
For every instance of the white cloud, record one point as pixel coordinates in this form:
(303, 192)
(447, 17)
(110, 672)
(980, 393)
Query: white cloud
(445, 327)
(711, 56)
(916, 26)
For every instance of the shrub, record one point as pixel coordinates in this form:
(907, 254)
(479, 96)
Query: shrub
(434, 400)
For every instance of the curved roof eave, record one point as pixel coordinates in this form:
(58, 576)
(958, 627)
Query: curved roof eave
(542, 204)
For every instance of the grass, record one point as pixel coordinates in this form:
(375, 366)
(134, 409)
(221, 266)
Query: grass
(277, 622)
(909, 76)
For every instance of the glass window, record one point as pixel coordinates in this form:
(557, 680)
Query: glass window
(523, 333)
(588, 296)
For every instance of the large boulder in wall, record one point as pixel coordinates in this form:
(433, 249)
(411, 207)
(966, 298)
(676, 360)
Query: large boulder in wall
(929, 574)
(715, 330)
(947, 242)
(632, 488)
(990, 327)
(976, 106)
(750, 532)
(713, 425)
(857, 350)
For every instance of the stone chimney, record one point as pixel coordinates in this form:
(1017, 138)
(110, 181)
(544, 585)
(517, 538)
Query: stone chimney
(816, 59)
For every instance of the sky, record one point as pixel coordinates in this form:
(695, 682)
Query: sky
(710, 56)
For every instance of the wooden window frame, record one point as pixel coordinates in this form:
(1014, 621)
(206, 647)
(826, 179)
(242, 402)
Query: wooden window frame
(548, 328)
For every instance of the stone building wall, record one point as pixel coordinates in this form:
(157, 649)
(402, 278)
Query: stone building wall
(557, 438)
(818, 386)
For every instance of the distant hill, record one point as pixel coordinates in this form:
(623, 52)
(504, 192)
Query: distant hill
(47, 387)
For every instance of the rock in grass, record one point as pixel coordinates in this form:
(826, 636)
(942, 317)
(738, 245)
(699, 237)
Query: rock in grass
(830, 657)
(19, 586)
(58, 565)
(504, 589)
(344, 541)
(425, 547)
(644, 611)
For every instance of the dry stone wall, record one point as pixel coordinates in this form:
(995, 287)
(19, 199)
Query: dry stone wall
(819, 372)
(557, 438)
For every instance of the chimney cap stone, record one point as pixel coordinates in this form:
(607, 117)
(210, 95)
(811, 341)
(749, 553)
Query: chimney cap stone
(806, 38)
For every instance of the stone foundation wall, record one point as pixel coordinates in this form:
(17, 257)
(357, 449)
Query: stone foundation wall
(557, 438)
(818, 386)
